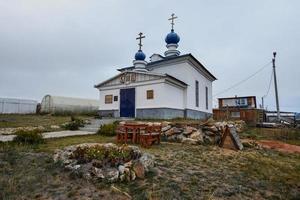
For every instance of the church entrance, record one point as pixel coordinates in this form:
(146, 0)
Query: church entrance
(127, 102)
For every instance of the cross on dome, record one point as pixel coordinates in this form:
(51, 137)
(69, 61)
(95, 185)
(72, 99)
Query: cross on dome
(141, 36)
(172, 20)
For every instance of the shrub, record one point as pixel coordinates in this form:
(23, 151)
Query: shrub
(107, 129)
(103, 156)
(74, 124)
(29, 137)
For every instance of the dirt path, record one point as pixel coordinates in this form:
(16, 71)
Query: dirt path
(280, 146)
(277, 145)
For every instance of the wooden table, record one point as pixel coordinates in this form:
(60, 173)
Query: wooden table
(136, 129)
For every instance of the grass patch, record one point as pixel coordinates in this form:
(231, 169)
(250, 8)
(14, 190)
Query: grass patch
(33, 137)
(282, 134)
(14, 120)
(107, 129)
(182, 172)
(74, 124)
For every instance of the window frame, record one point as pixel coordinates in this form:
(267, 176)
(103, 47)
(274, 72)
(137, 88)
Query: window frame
(197, 93)
(108, 99)
(149, 94)
(206, 97)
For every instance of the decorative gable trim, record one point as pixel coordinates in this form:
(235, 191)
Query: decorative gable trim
(129, 77)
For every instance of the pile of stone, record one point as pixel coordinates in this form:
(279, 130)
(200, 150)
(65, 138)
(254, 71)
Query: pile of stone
(209, 132)
(102, 168)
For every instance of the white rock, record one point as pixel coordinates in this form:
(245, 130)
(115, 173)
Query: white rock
(98, 172)
(166, 128)
(132, 175)
(147, 160)
(112, 174)
(121, 169)
(54, 127)
(198, 135)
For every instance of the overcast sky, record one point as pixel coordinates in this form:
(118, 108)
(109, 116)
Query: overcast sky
(65, 47)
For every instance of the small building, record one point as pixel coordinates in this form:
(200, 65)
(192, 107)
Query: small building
(169, 86)
(68, 105)
(239, 108)
(271, 116)
(17, 106)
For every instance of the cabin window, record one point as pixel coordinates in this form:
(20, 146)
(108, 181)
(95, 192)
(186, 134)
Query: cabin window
(197, 93)
(108, 99)
(115, 98)
(150, 94)
(206, 97)
(235, 114)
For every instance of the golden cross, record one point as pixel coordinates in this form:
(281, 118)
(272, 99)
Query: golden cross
(140, 38)
(172, 20)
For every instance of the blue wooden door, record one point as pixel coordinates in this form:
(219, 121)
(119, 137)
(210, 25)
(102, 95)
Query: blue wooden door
(127, 102)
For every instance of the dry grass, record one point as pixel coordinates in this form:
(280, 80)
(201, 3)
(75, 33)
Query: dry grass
(14, 121)
(182, 172)
(287, 135)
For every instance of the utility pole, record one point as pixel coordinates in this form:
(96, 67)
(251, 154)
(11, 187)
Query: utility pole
(276, 89)
(262, 103)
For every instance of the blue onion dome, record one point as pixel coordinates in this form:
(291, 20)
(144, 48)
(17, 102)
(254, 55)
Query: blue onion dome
(140, 55)
(172, 38)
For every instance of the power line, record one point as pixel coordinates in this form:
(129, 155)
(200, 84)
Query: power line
(238, 83)
(269, 85)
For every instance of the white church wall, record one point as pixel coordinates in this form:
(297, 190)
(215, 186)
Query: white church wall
(185, 72)
(114, 105)
(165, 96)
(141, 96)
(174, 97)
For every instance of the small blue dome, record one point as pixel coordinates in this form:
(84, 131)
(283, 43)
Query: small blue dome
(140, 55)
(172, 38)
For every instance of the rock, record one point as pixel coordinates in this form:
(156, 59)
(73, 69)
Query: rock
(147, 160)
(208, 140)
(112, 174)
(189, 141)
(136, 152)
(132, 175)
(165, 123)
(98, 172)
(209, 133)
(72, 167)
(173, 131)
(209, 122)
(128, 164)
(180, 137)
(102, 168)
(122, 177)
(198, 135)
(189, 130)
(54, 127)
(139, 169)
(121, 169)
(213, 129)
(165, 128)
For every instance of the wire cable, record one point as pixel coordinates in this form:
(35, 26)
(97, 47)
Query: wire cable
(244, 80)
(270, 83)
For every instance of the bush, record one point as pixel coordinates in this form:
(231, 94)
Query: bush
(103, 156)
(29, 137)
(74, 124)
(108, 129)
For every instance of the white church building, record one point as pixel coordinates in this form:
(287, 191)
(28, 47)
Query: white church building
(166, 87)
